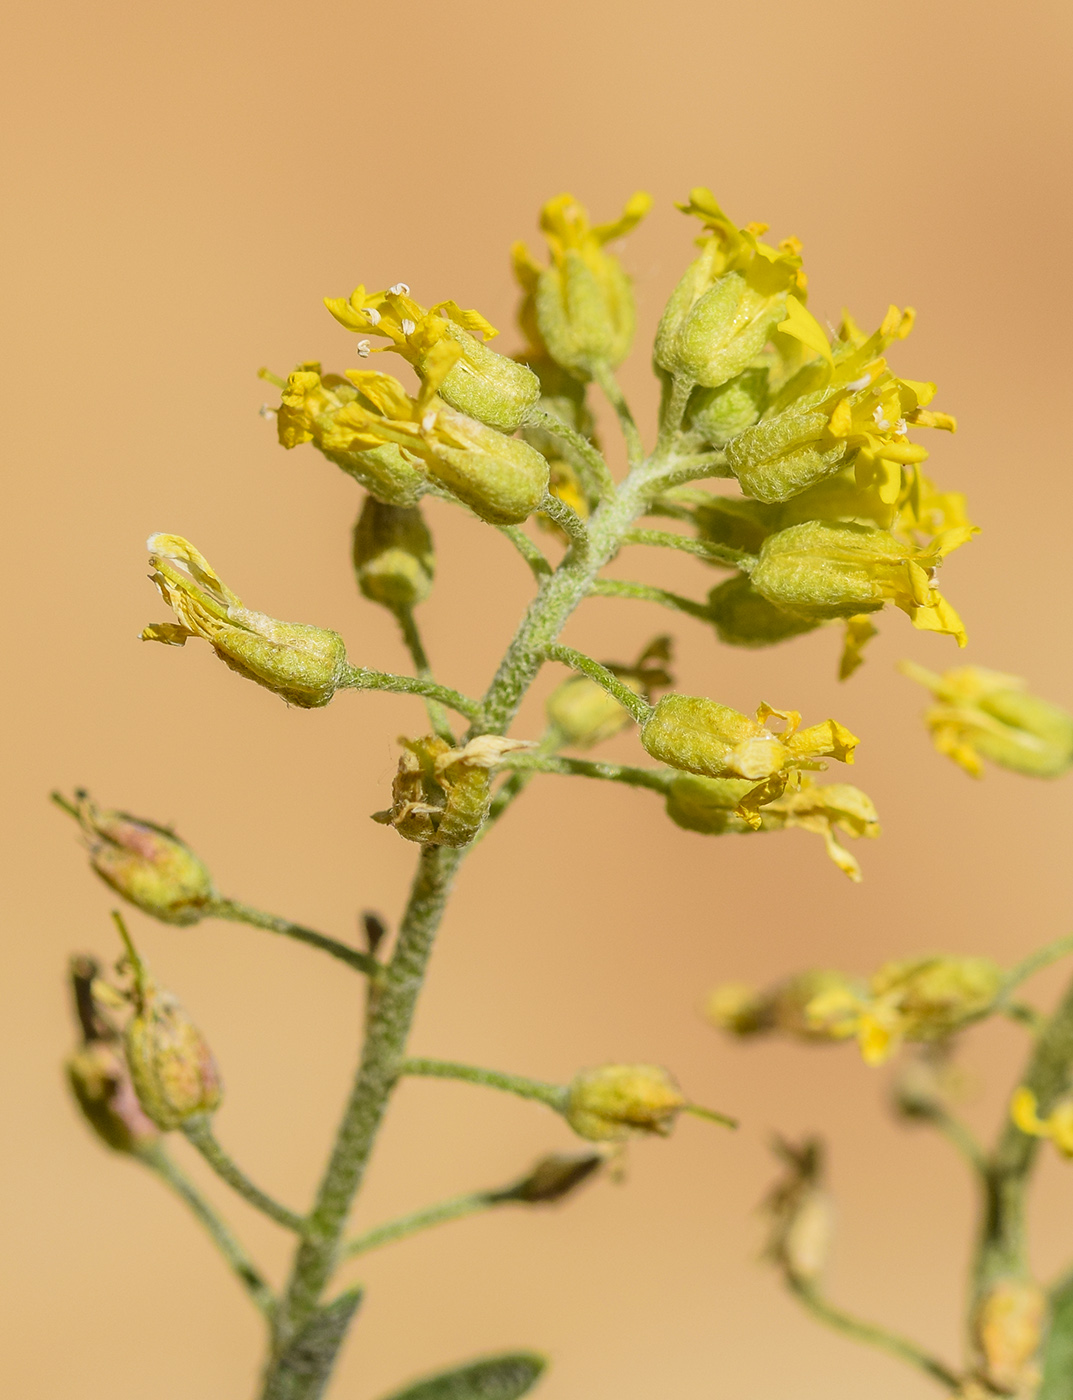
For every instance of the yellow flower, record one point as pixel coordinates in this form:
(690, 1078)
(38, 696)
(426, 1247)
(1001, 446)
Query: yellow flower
(730, 300)
(824, 571)
(481, 383)
(302, 664)
(580, 309)
(701, 736)
(918, 999)
(840, 409)
(985, 714)
(313, 409)
(502, 479)
(1058, 1125)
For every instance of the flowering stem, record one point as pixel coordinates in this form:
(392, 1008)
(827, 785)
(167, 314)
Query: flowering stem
(245, 914)
(1002, 1245)
(569, 520)
(247, 1273)
(437, 717)
(649, 593)
(716, 553)
(810, 1297)
(456, 1208)
(657, 779)
(630, 701)
(554, 1095)
(591, 458)
(198, 1131)
(693, 468)
(1042, 957)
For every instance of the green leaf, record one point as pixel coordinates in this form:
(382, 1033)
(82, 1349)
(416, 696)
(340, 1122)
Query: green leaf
(495, 1378)
(305, 1367)
(1058, 1352)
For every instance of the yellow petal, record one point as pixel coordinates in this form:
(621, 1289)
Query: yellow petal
(803, 326)
(1024, 1113)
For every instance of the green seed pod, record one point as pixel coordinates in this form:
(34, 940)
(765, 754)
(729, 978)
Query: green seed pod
(615, 1102)
(171, 1065)
(738, 523)
(502, 479)
(101, 1086)
(146, 864)
(393, 556)
(707, 804)
(784, 455)
(555, 1177)
(719, 415)
(484, 384)
(744, 618)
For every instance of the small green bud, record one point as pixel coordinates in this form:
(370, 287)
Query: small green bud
(719, 415)
(615, 1102)
(727, 326)
(393, 556)
(502, 479)
(708, 805)
(701, 736)
(933, 996)
(581, 307)
(171, 1066)
(786, 454)
(554, 1178)
(146, 864)
(744, 618)
(985, 714)
(738, 523)
(486, 385)
(441, 795)
(300, 663)
(739, 1009)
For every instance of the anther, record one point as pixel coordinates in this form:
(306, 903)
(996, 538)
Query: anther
(372, 315)
(428, 422)
(861, 383)
(364, 349)
(400, 289)
(267, 411)
(408, 327)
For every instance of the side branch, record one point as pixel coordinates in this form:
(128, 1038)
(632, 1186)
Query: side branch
(198, 1132)
(714, 553)
(657, 779)
(456, 1208)
(243, 1267)
(532, 555)
(871, 1334)
(635, 704)
(591, 459)
(553, 1095)
(362, 678)
(239, 913)
(649, 593)
(411, 636)
(569, 520)
(605, 377)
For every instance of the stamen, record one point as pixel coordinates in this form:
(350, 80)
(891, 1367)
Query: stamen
(880, 420)
(267, 411)
(861, 383)
(372, 315)
(400, 289)
(900, 427)
(428, 422)
(408, 327)
(364, 349)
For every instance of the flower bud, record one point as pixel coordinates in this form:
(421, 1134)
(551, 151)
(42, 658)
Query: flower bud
(393, 556)
(936, 995)
(708, 805)
(739, 1010)
(1007, 1328)
(985, 714)
(744, 618)
(739, 523)
(821, 571)
(799, 1213)
(171, 1066)
(146, 864)
(481, 383)
(585, 714)
(102, 1088)
(615, 1102)
(554, 1178)
(731, 298)
(701, 736)
(719, 415)
(302, 664)
(314, 408)
(441, 795)
(581, 306)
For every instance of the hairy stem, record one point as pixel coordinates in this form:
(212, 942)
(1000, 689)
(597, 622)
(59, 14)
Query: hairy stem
(590, 458)
(872, 1335)
(715, 553)
(456, 1208)
(554, 1095)
(240, 913)
(362, 678)
(649, 593)
(605, 377)
(569, 521)
(243, 1267)
(635, 705)
(198, 1131)
(657, 779)
(437, 716)
(532, 555)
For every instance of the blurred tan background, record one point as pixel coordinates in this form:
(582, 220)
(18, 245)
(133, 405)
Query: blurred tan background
(184, 184)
